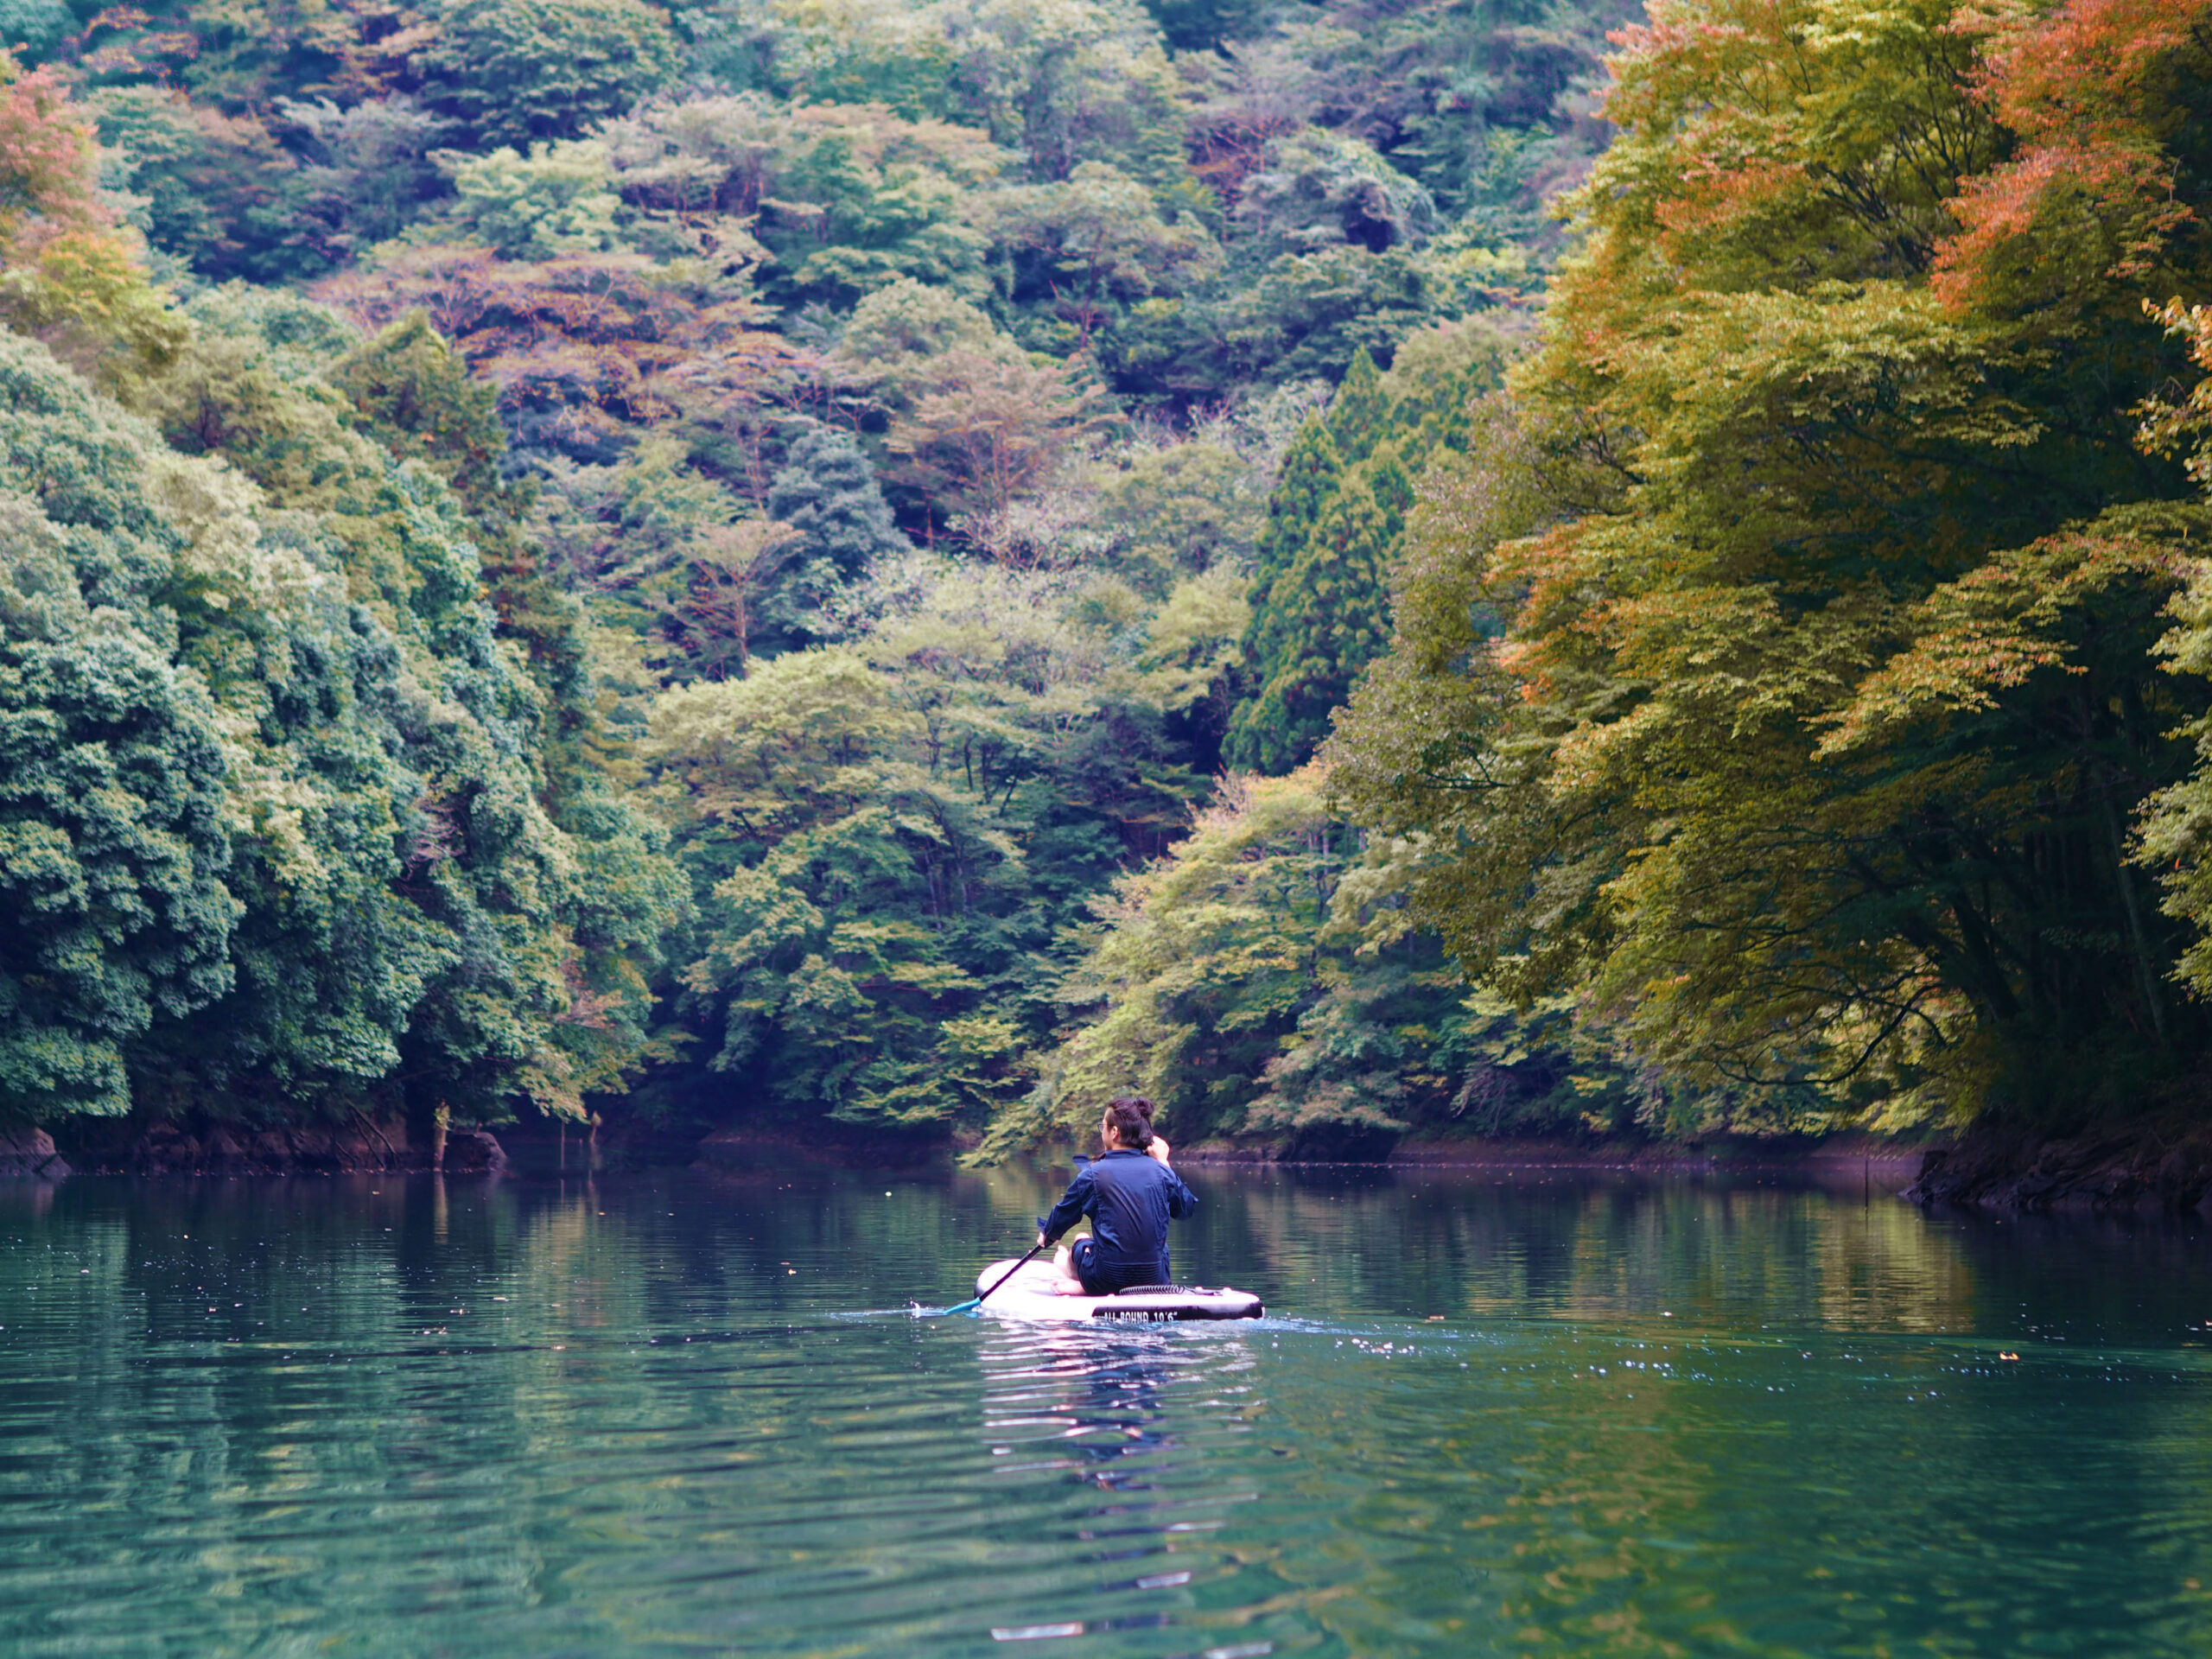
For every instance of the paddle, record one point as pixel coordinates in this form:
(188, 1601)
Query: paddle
(970, 1306)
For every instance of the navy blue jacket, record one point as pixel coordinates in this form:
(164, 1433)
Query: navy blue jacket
(1129, 1197)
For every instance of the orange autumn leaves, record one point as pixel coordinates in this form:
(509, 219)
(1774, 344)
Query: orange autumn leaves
(2093, 93)
(68, 270)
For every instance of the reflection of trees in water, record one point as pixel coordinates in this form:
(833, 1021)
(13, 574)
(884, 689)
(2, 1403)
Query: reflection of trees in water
(1581, 1246)
(200, 1293)
(1729, 1491)
(1486, 1511)
(498, 1422)
(1401, 1502)
(2069, 1293)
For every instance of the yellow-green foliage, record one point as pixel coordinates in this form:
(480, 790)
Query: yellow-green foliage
(1827, 579)
(1265, 981)
(892, 830)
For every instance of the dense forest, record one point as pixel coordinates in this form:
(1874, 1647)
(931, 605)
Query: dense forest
(1473, 566)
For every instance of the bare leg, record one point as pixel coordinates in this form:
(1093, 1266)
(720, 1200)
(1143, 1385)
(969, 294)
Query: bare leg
(1064, 1282)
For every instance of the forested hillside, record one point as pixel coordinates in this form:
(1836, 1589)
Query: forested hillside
(567, 556)
(1804, 668)
(916, 564)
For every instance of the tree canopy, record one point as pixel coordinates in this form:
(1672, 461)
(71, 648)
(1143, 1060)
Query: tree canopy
(1790, 662)
(1368, 564)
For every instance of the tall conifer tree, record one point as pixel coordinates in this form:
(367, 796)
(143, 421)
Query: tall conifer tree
(1327, 618)
(1360, 412)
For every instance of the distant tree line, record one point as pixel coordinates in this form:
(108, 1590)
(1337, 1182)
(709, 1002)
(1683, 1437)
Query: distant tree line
(765, 562)
(571, 557)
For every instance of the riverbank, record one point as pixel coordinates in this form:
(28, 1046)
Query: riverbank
(1895, 1160)
(188, 1147)
(2148, 1166)
(109, 1146)
(2144, 1166)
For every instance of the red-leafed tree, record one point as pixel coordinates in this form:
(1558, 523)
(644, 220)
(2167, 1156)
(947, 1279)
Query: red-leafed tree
(586, 349)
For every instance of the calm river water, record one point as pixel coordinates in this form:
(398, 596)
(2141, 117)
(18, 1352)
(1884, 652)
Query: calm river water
(693, 1415)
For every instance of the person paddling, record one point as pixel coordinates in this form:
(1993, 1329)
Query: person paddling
(1129, 1193)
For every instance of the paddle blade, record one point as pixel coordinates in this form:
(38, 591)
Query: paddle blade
(970, 1307)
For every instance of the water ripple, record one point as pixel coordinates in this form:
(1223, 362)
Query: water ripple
(658, 1419)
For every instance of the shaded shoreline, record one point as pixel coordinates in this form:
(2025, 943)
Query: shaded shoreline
(1646, 1157)
(2140, 1167)
(2149, 1166)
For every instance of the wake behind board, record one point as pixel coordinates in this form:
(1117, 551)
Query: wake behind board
(1029, 1296)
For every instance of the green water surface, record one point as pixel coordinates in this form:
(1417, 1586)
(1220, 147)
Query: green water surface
(683, 1414)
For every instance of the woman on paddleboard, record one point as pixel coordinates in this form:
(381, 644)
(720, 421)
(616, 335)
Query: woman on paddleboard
(1129, 1193)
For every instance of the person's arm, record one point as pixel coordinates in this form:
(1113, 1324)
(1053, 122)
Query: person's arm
(1180, 1199)
(1074, 1204)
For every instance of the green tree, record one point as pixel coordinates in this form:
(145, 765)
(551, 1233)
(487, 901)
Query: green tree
(1179, 509)
(845, 198)
(1308, 479)
(1083, 248)
(833, 979)
(366, 169)
(1315, 189)
(671, 555)
(826, 496)
(556, 201)
(1203, 25)
(893, 834)
(1828, 693)
(1065, 82)
(113, 816)
(900, 341)
(1264, 983)
(412, 393)
(517, 72)
(1325, 620)
(1359, 412)
(476, 951)
(35, 27)
(219, 191)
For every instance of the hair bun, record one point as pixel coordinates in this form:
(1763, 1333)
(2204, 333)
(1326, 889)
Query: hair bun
(1131, 1117)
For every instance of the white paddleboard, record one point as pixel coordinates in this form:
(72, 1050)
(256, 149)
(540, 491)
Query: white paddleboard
(1029, 1296)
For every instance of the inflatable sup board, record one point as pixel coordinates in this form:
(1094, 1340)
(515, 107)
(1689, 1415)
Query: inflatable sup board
(1029, 1296)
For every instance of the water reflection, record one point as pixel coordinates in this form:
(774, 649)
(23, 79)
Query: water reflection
(1138, 1430)
(1097, 1392)
(1588, 1247)
(626, 1417)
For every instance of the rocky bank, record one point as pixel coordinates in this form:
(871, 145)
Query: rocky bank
(2138, 1167)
